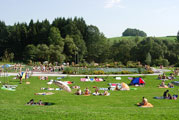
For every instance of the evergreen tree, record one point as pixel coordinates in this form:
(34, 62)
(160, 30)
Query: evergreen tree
(148, 59)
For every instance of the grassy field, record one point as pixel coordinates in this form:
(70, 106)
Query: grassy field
(67, 106)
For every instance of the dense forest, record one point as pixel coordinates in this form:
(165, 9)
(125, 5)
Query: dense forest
(72, 40)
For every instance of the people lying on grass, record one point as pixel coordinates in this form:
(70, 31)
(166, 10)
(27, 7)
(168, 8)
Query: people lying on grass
(169, 96)
(31, 102)
(166, 95)
(164, 76)
(144, 102)
(87, 92)
(45, 93)
(117, 87)
(44, 78)
(171, 77)
(170, 85)
(162, 85)
(124, 86)
(175, 97)
(87, 77)
(106, 93)
(96, 92)
(40, 102)
(75, 87)
(159, 77)
(78, 92)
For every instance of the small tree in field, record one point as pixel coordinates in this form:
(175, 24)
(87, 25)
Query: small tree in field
(148, 59)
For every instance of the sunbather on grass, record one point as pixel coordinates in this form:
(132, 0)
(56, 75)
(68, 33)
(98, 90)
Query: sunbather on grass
(144, 102)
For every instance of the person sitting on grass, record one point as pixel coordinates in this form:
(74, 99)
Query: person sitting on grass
(117, 87)
(159, 77)
(78, 92)
(106, 93)
(96, 91)
(171, 77)
(144, 102)
(165, 94)
(164, 76)
(170, 97)
(31, 102)
(170, 85)
(162, 84)
(40, 102)
(87, 92)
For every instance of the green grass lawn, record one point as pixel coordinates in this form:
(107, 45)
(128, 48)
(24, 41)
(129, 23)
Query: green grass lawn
(67, 106)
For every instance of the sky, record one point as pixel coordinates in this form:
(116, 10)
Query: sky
(112, 17)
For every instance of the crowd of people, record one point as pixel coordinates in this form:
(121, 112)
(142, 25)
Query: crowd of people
(87, 92)
(167, 95)
(47, 68)
(164, 77)
(31, 102)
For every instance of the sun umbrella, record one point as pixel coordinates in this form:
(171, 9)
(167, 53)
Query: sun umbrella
(63, 85)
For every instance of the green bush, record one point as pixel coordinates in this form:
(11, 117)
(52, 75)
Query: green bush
(148, 72)
(161, 61)
(125, 72)
(98, 72)
(68, 70)
(132, 64)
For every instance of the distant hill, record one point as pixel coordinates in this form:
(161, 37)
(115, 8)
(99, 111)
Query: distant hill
(132, 37)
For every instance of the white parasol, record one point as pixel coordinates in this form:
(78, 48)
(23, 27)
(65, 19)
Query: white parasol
(63, 85)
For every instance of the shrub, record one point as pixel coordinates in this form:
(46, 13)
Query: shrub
(132, 64)
(161, 61)
(148, 72)
(98, 72)
(125, 72)
(68, 70)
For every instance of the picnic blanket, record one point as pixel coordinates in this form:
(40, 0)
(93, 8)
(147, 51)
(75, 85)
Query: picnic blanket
(114, 84)
(91, 79)
(51, 88)
(45, 93)
(9, 87)
(60, 77)
(163, 87)
(103, 88)
(147, 106)
(163, 79)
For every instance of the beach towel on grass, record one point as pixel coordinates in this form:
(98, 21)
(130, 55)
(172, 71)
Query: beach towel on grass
(9, 89)
(51, 88)
(147, 106)
(48, 93)
(84, 79)
(114, 84)
(103, 89)
(163, 87)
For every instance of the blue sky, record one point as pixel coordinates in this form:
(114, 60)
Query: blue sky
(112, 17)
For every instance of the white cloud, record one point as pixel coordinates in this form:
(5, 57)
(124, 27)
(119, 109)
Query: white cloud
(112, 3)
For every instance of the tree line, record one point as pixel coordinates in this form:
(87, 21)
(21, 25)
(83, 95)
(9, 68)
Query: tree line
(72, 40)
